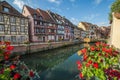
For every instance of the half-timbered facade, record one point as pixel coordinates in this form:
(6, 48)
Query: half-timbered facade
(13, 25)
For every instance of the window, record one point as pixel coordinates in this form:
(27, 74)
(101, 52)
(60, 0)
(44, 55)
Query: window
(13, 38)
(22, 21)
(35, 16)
(41, 23)
(2, 28)
(13, 29)
(42, 30)
(35, 22)
(12, 19)
(50, 24)
(5, 9)
(22, 29)
(2, 38)
(1, 18)
(22, 38)
(40, 17)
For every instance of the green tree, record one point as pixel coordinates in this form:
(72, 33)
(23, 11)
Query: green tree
(115, 7)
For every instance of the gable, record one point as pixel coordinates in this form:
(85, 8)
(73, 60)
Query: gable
(12, 10)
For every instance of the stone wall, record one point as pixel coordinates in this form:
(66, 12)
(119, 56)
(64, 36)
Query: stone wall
(23, 49)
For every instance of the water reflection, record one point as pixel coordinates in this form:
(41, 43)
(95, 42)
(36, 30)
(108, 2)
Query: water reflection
(57, 64)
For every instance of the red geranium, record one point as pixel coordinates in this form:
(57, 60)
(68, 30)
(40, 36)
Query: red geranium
(31, 74)
(84, 50)
(80, 75)
(16, 76)
(79, 65)
(95, 65)
(92, 48)
(12, 67)
(10, 48)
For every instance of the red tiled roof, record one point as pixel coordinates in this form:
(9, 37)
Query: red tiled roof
(32, 11)
(45, 15)
(12, 10)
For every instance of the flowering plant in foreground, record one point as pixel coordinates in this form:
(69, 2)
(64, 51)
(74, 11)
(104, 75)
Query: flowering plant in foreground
(100, 61)
(13, 69)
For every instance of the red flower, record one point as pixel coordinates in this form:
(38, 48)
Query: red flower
(84, 50)
(79, 65)
(90, 61)
(97, 43)
(80, 75)
(12, 67)
(31, 74)
(92, 48)
(10, 48)
(87, 65)
(95, 65)
(7, 53)
(78, 62)
(85, 57)
(2, 71)
(6, 57)
(16, 76)
(7, 43)
(97, 49)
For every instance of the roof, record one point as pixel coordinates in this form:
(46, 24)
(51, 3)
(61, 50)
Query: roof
(87, 25)
(12, 10)
(32, 11)
(40, 12)
(45, 15)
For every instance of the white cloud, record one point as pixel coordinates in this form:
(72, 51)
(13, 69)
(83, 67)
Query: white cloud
(55, 9)
(97, 2)
(72, 0)
(102, 24)
(74, 20)
(19, 3)
(90, 17)
(55, 1)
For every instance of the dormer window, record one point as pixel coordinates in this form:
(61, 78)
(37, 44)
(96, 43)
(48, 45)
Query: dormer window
(5, 9)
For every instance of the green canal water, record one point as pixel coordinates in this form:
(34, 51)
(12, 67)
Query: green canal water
(56, 64)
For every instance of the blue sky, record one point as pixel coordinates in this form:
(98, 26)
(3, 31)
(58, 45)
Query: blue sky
(93, 11)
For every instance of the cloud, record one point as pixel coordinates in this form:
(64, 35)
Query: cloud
(74, 20)
(55, 9)
(90, 17)
(97, 2)
(19, 3)
(102, 24)
(55, 1)
(72, 0)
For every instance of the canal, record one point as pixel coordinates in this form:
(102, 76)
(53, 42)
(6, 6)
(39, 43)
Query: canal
(56, 64)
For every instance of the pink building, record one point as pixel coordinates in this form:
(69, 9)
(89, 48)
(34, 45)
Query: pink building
(42, 27)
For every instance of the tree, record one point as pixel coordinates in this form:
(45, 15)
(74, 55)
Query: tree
(115, 7)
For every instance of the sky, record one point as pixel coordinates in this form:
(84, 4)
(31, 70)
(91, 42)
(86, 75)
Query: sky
(93, 11)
